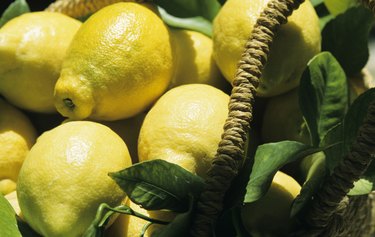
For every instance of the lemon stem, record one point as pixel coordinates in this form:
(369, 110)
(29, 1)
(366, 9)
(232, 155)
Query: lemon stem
(69, 103)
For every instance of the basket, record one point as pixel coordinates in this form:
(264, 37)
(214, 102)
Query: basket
(332, 212)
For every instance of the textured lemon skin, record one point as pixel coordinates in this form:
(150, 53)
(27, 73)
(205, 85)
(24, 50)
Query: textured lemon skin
(184, 127)
(270, 215)
(294, 45)
(17, 135)
(195, 63)
(120, 61)
(32, 47)
(65, 177)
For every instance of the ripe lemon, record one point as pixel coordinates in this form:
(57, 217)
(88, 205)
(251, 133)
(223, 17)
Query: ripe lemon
(294, 45)
(184, 127)
(65, 178)
(32, 47)
(131, 226)
(17, 135)
(194, 60)
(120, 61)
(270, 215)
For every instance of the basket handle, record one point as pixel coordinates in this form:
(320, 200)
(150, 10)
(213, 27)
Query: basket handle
(230, 153)
(82, 8)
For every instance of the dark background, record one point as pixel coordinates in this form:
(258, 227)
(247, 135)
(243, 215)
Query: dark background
(35, 5)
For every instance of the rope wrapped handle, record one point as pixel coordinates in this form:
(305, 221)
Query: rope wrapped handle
(229, 157)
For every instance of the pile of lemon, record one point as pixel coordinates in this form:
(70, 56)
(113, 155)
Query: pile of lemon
(131, 89)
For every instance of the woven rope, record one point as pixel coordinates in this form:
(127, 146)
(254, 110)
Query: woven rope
(82, 8)
(328, 203)
(369, 3)
(231, 148)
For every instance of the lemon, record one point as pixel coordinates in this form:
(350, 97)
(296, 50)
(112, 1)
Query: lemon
(131, 226)
(17, 135)
(283, 120)
(294, 44)
(120, 61)
(65, 178)
(194, 60)
(184, 127)
(128, 129)
(270, 215)
(32, 47)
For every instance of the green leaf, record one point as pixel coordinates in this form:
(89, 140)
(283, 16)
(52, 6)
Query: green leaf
(362, 187)
(191, 8)
(347, 39)
(355, 117)
(197, 23)
(181, 224)
(316, 2)
(8, 221)
(314, 165)
(17, 8)
(269, 158)
(230, 224)
(336, 7)
(158, 184)
(334, 139)
(323, 95)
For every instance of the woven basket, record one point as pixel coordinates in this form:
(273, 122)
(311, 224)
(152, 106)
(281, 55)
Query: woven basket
(332, 212)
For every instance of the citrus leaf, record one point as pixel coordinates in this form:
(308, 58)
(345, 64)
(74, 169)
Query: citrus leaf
(323, 95)
(315, 176)
(230, 224)
(269, 158)
(334, 154)
(190, 8)
(316, 2)
(8, 221)
(17, 8)
(362, 187)
(336, 7)
(197, 23)
(158, 184)
(347, 39)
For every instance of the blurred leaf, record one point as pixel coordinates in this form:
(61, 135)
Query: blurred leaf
(314, 165)
(347, 39)
(17, 8)
(269, 158)
(362, 186)
(158, 184)
(336, 7)
(323, 95)
(8, 221)
(335, 153)
(197, 23)
(316, 2)
(191, 8)
(324, 20)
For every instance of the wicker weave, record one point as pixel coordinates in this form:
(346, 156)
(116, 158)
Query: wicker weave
(332, 212)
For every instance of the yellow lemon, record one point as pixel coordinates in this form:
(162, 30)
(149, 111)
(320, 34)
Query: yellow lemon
(184, 127)
(17, 135)
(294, 45)
(270, 215)
(32, 47)
(65, 178)
(194, 60)
(131, 226)
(120, 61)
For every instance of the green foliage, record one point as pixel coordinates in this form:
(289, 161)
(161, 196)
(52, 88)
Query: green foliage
(347, 39)
(158, 184)
(17, 8)
(269, 158)
(336, 7)
(323, 95)
(8, 221)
